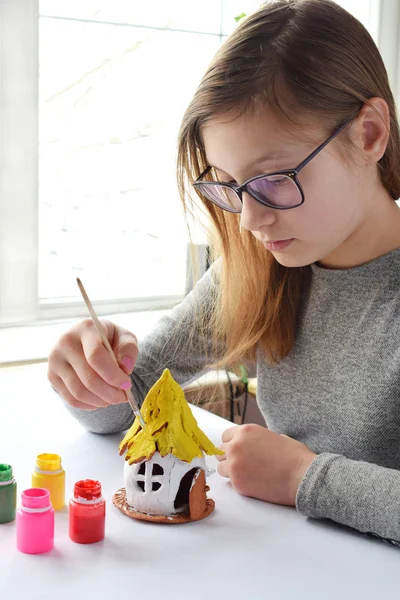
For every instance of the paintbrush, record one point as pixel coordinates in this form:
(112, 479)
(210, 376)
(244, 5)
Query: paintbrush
(103, 337)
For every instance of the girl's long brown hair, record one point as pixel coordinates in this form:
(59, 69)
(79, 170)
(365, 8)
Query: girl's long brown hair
(303, 59)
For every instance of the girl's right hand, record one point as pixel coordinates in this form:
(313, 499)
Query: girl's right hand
(82, 371)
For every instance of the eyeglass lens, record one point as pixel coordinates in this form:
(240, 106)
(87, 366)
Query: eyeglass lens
(275, 190)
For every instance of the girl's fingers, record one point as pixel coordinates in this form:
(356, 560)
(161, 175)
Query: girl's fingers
(83, 371)
(77, 390)
(60, 388)
(98, 357)
(223, 468)
(125, 346)
(221, 457)
(93, 383)
(228, 434)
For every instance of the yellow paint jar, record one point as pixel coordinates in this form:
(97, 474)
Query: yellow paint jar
(50, 475)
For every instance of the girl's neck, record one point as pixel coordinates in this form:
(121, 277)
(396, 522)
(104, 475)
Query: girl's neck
(377, 235)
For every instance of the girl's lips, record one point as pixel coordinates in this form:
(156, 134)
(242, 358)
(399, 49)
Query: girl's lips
(278, 245)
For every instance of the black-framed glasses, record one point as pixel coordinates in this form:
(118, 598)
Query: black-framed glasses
(279, 189)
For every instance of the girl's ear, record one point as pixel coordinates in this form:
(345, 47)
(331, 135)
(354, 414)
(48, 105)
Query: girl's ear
(371, 129)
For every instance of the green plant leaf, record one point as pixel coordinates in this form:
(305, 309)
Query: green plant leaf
(242, 16)
(243, 374)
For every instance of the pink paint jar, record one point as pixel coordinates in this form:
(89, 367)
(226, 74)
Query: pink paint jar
(35, 522)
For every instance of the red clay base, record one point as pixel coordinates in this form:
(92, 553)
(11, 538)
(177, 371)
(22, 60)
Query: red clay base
(119, 500)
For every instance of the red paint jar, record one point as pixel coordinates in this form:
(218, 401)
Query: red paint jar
(87, 513)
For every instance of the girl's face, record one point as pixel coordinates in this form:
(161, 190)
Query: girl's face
(337, 203)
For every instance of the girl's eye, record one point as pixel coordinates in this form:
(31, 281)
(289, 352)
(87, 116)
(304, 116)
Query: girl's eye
(279, 182)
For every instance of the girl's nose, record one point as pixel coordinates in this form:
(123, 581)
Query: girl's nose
(256, 215)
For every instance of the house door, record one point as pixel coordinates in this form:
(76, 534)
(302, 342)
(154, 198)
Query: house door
(182, 495)
(192, 493)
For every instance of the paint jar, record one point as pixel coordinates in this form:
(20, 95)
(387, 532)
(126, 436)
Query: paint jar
(8, 494)
(87, 512)
(50, 475)
(35, 522)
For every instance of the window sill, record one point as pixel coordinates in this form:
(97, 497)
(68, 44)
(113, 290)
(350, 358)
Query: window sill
(32, 343)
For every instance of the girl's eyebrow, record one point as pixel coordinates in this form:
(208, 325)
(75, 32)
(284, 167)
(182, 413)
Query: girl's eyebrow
(266, 157)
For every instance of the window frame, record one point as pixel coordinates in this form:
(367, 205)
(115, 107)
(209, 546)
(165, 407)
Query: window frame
(19, 217)
(19, 206)
(388, 41)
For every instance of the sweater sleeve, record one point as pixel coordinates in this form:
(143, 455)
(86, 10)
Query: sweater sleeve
(181, 342)
(358, 494)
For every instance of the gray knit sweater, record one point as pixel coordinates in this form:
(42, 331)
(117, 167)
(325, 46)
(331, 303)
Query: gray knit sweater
(338, 391)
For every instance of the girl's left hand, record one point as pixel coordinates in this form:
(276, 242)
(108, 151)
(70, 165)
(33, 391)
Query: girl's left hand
(263, 464)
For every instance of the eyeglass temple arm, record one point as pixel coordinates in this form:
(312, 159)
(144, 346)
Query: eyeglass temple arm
(322, 146)
(306, 160)
(203, 174)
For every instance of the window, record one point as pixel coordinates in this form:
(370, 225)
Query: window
(87, 186)
(109, 112)
(149, 477)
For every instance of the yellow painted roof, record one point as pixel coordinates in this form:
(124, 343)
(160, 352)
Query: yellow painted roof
(172, 429)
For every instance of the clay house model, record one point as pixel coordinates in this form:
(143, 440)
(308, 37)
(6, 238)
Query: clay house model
(165, 469)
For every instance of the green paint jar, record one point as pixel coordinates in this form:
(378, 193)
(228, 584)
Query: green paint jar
(8, 494)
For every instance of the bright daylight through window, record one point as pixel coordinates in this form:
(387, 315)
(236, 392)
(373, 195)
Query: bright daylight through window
(114, 81)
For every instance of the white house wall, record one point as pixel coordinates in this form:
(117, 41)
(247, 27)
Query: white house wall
(161, 501)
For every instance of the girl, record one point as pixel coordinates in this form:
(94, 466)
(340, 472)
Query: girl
(292, 145)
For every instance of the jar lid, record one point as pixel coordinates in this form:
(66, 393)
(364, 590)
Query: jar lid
(35, 498)
(48, 462)
(6, 472)
(88, 489)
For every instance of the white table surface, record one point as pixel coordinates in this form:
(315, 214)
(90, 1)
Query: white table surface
(246, 549)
